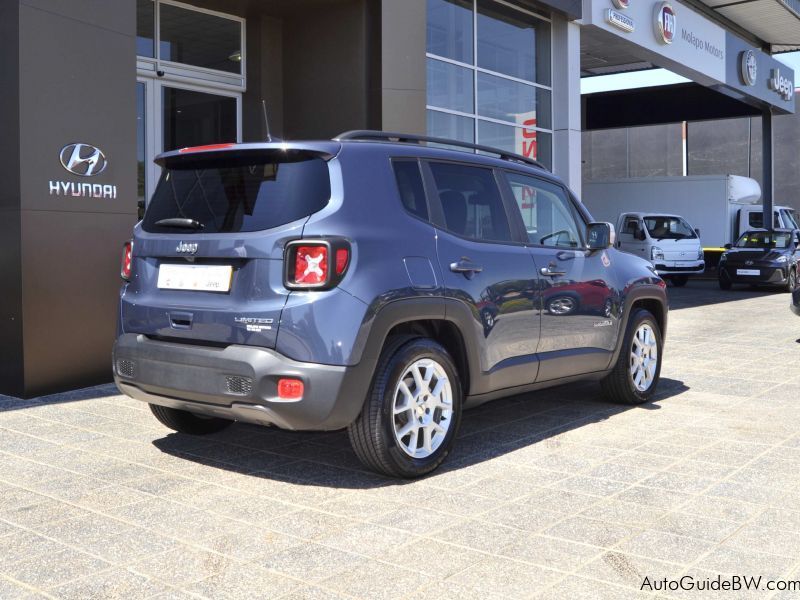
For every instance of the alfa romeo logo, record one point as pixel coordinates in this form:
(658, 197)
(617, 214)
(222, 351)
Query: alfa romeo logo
(666, 22)
(749, 67)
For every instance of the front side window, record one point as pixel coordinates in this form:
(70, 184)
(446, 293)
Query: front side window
(229, 195)
(668, 228)
(547, 213)
(489, 77)
(471, 202)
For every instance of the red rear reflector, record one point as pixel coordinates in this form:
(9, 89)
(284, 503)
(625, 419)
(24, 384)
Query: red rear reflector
(207, 147)
(311, 265)
(127, 260)
(290, 389)
(342, 255)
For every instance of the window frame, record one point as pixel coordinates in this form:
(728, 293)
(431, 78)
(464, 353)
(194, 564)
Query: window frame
(436, 211)
(475, 69)
(572, 205)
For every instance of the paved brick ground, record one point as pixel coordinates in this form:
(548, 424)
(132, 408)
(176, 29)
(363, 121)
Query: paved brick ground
(554, 495)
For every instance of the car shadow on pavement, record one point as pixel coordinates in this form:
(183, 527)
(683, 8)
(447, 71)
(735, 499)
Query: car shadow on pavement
(701, 292)
(325, 459)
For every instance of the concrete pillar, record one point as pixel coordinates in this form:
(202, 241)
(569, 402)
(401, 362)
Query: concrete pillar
(567, 102)
(403, 75)
(768, 179)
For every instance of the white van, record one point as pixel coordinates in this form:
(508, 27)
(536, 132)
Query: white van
(667, 241)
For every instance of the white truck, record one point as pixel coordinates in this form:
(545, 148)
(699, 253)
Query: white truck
(719, 207)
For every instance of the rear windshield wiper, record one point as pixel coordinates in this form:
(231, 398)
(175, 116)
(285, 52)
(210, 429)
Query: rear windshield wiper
(182, 223)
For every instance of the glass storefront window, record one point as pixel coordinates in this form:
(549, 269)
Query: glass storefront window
(452, 127)
(500, 95)
(197, 118)
(145, 28)
(509, 100)
(200, 39)
(527, 142)
(450, 86)
(449, 31)
(511, 44)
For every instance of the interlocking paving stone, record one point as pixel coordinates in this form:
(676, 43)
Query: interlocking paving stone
(557, 494)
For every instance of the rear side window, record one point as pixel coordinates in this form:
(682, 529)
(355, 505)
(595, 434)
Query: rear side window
(471, 202)
(229, 195)
(409, 185)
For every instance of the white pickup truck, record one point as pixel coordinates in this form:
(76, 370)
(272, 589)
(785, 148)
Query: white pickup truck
(666, 240)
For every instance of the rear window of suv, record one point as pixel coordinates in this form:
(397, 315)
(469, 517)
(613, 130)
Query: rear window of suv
(237, 194)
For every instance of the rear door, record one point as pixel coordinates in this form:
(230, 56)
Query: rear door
(208, 256)
(486, 265)
(577, 296)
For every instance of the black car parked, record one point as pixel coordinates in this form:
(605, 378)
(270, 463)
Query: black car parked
(761, 257)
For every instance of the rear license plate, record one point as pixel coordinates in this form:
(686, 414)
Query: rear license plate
(200, 278)
(748, 272)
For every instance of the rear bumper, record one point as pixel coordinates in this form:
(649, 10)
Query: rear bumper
(695, 267)
(237, 383)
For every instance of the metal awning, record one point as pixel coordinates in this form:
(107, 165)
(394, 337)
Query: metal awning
(775, 22)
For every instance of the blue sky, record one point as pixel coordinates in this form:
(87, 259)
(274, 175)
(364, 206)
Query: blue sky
(625, 81)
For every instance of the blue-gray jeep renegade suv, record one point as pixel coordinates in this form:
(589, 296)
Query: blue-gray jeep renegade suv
(375, 282)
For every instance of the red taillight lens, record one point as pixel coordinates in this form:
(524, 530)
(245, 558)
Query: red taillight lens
(290, 389)
(342, 257)
(127, 260)
(311, 265)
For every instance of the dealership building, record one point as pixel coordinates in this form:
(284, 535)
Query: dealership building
(93, 91)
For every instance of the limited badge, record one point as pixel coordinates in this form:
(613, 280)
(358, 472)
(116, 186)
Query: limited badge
(605, 260)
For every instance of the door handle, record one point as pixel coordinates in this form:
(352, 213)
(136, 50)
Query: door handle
(465, 266)
(551, 272)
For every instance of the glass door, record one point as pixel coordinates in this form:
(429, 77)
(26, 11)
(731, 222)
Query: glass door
(194, 118)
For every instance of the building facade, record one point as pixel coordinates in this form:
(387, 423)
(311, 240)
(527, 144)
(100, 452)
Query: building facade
(93, 91)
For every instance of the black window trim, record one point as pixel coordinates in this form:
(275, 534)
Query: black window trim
(437, 212)
(578, 215)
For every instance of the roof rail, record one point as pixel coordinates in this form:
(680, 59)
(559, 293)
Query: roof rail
(391, 136)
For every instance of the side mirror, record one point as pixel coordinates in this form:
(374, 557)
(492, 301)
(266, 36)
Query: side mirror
(728, 246)
(640, 235)
(697, 231)
(599, 236)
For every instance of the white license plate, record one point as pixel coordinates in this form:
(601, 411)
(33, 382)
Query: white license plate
(200, 278)
(748, 272)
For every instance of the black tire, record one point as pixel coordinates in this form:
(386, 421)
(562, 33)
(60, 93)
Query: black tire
(724, 281)
(679, 280)
(618, 385)
(372, 433)
(791, 281)
(185, 422)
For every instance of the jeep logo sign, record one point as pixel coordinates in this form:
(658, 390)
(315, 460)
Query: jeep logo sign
(782, 85)
(666, 22)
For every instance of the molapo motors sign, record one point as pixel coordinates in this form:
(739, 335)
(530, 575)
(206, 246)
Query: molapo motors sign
(83, 160)
(671, 35)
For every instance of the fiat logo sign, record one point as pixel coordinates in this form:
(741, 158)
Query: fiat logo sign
(666, 22)
(621, 4)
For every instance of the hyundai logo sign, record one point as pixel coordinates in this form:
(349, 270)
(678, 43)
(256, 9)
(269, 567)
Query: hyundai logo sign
(83, 159)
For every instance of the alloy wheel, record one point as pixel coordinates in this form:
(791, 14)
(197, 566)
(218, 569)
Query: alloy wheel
(644, 357)
(422, 408)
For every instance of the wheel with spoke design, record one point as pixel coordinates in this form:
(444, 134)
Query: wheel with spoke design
(411, 417)
(635, 375)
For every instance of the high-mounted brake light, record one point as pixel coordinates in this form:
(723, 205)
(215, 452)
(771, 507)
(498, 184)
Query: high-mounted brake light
(315, 264)
(127, 260)
(206, 147)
